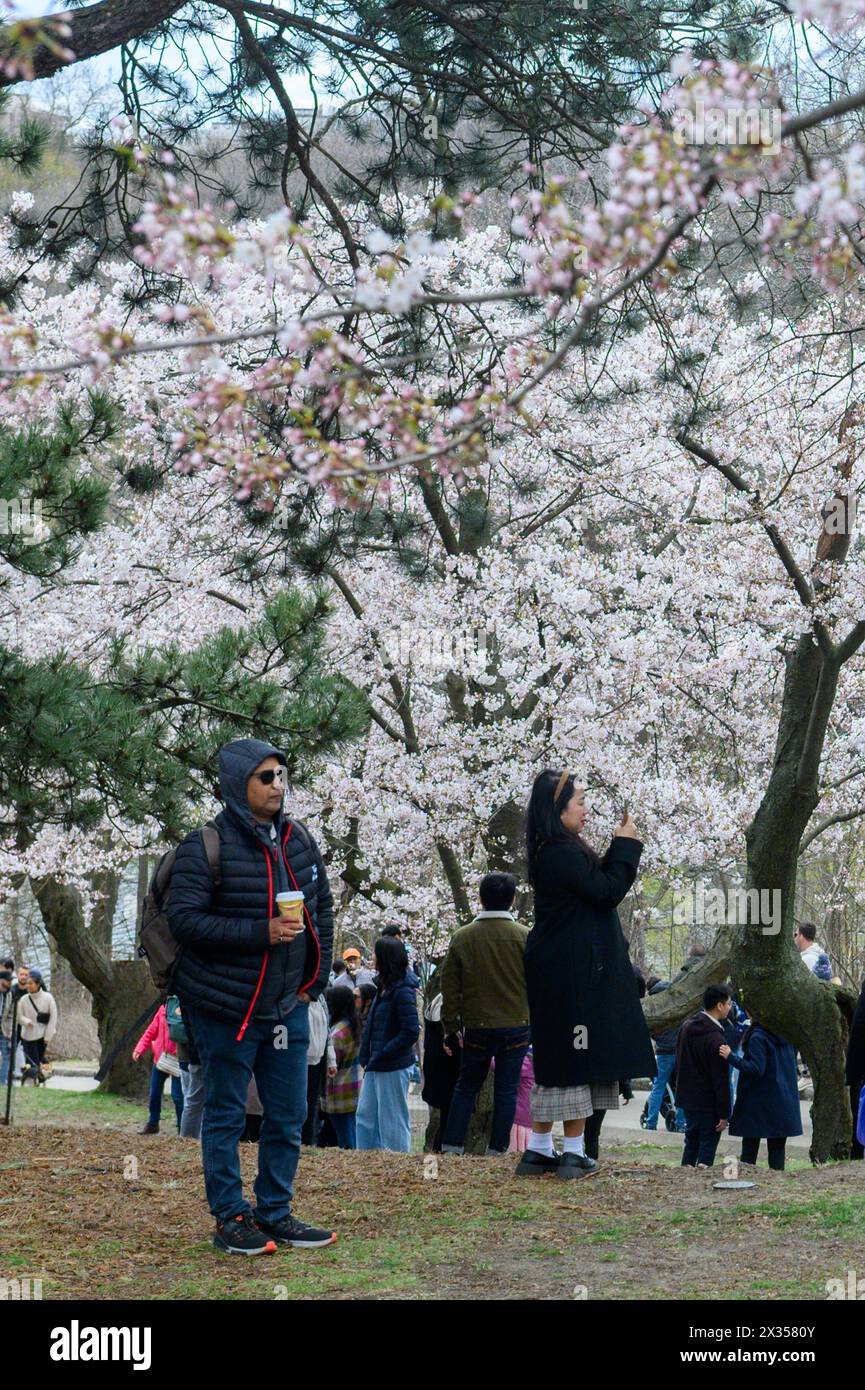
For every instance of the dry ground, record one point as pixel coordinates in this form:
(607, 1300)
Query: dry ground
(98, 1212)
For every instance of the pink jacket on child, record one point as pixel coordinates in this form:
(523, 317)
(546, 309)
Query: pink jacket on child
(156, 1037)
(523, 1112)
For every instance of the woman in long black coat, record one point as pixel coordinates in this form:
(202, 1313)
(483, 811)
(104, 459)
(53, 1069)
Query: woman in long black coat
(588, 1028)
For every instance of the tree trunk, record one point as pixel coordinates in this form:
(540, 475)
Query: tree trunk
(121, 990)
(131, 991)
(505, 843)
(76, 1034)
(98, 29)
(775, 988)
(478, 1132)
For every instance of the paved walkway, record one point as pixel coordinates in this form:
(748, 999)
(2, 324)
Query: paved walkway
(623, 1126)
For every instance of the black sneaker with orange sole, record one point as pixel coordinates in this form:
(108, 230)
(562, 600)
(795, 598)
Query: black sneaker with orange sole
(290, 1231)
(239, 1235)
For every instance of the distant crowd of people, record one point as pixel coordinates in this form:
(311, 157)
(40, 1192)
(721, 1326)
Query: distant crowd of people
(361, 1056)
(28, 1023)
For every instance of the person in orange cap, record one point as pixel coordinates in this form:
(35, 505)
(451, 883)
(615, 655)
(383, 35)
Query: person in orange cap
(355, 967)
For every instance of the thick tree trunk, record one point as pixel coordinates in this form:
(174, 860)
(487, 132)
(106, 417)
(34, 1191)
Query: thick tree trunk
(666, 1010)
(131, 991)
(121, 990)
(478, 1132)
(98, 29)
(775, 987)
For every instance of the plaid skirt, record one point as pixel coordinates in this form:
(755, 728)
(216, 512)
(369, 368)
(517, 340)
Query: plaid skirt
(551, 1103)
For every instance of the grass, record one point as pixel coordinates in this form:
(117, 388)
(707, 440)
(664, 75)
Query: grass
(844, 1215)
(32, 1103)
(810, 1215)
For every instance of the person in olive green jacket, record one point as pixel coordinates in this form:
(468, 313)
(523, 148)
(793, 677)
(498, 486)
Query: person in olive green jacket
(484, 994)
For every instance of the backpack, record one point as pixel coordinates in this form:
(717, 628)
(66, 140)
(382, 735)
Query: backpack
(174, 1018)
(823, 967)
(156, 944)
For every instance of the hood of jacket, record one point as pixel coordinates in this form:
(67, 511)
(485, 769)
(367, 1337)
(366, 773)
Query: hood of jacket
(774, 1038)
(237, 762)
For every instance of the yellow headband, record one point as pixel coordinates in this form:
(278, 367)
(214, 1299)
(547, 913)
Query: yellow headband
(559, 785)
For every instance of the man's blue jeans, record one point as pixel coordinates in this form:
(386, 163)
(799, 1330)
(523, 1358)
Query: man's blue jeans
(701, 1138)
(5, 1053)
(276, 1055)
(666, 1065)
(508, 1046)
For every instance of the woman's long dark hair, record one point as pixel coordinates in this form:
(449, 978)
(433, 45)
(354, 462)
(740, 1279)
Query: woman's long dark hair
(543, 818)
(342, 1008)
(392, 959)
(367, 993)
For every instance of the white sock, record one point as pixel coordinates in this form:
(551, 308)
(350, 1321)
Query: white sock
(575, 1146)
(542, 1143)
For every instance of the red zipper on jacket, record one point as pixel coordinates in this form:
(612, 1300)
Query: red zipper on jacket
(239, 1037)
(306, 910)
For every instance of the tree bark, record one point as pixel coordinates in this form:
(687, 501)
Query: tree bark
(670, 1008)
(775, 988)
(480, 1124)
(98, 29)
(121, 990)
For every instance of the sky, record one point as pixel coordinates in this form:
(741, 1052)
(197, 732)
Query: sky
(107, 66)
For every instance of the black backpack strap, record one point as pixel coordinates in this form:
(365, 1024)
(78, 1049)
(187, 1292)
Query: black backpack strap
(210, 839)
(139, 1023)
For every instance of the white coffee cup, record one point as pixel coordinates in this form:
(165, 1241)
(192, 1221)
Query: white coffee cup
(290, 906)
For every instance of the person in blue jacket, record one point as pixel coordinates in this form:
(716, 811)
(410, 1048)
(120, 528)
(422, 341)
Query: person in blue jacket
(245, 978)
(767, 1099)
(387, 1053)
(734, 1026)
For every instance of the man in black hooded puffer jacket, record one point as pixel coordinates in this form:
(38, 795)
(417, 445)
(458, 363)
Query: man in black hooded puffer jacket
(245, 979)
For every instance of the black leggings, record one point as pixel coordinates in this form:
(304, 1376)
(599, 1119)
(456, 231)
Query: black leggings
(592, 1132)
(34, 1051)
(750, 1149)
(315, 1076)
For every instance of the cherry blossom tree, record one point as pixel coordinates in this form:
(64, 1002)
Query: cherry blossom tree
(634, 545)
(606, 591)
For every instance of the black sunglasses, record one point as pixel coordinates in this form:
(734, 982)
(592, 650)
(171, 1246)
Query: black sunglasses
(267, 777)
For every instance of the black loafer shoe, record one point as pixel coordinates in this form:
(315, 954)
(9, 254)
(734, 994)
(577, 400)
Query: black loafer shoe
(534, 1165)
(577, 1166)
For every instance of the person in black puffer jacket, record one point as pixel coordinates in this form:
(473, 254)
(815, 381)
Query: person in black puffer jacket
(387, 1053)
(245, 979)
